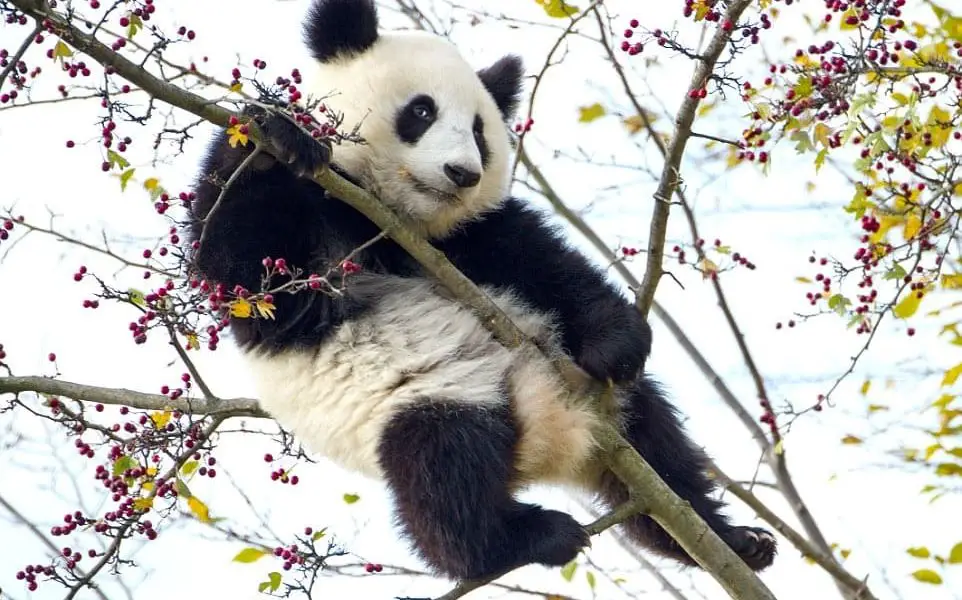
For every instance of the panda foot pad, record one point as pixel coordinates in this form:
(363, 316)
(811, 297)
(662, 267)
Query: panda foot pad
(756, 546)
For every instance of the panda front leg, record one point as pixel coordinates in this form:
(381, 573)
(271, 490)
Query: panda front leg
(449, 465)
(652, 427)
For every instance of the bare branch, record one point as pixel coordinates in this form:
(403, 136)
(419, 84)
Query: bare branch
(229, 407)
(671, 172)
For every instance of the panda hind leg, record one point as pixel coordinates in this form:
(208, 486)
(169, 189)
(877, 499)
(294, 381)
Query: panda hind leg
(652, 426)
(449, 466)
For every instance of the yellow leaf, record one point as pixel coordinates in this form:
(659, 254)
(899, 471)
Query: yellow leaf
(707, 107)
(265, 308)
(803, 280)
(886, 222)
(151, 183)
(876, 407)
(844, 17)
(912, 226)
(237, 136)
(907, 306)
(61, 50)
(558, 9)
(927, 576)
(939, 125)
(952, 375)
(851, 439)
(143, 504)
(952, 282)
(919, 552)
(237, 87)
(199, 509)
(587, 114)
(957, 189)
(635, 123)
(701, 9)
(160, 419)
(249, 555)
(822, 131)
(707, 268)
(865, 386)
(955, 554)
(240, 308)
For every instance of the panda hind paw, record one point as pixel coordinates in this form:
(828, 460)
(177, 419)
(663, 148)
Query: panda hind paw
(756, 546)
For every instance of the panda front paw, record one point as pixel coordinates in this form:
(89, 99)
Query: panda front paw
(293, 146)
(616, 346)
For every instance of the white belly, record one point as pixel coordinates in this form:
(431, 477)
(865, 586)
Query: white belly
(338, 399)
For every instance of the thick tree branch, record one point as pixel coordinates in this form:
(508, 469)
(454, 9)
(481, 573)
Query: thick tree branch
(671, 172)
(666, 508)
(230, 407)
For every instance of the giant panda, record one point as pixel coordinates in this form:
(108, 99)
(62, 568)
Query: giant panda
(390, 376)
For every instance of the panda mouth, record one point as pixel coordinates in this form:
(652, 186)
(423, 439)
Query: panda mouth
(433, 191)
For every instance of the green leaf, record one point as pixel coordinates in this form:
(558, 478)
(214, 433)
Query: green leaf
(116, 160)
(591, 579)
(249, 555)
(568, 571)
(137, 297)
(820, 159)
(587, 114)
(123, 463)
(803, 143)
(955, 554)
(182, 490)
(188, 468)
(928, 576)
(273, 582)
(125, 177)
(919, 552)
(351, 498)
(319, 534)
(896, 272)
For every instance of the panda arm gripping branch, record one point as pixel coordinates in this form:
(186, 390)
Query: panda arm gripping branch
(391, 376)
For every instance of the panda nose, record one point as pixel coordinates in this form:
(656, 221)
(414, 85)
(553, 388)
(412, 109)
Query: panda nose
(461, 176)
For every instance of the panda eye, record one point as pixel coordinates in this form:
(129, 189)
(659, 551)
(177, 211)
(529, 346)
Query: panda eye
(422, 111)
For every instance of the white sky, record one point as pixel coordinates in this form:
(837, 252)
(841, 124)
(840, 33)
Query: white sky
(859, 501)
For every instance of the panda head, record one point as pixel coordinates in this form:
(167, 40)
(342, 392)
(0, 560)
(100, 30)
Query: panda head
(436, 145)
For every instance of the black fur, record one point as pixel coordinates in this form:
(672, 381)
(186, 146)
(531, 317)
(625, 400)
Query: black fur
(339, 28)
(514, 247)
(650, 423)
(449, 465)
(503, 80)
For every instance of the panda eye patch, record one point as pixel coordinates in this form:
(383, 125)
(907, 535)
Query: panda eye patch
(415, 118)
(478, 129)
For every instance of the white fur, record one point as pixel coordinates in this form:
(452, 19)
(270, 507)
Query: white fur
(369, 89)
(418, 343)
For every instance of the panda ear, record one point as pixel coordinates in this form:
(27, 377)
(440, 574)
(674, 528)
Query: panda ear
(503, 81)
(336, 28)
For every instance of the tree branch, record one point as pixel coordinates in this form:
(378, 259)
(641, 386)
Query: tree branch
(230, 407)
(671, 172)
